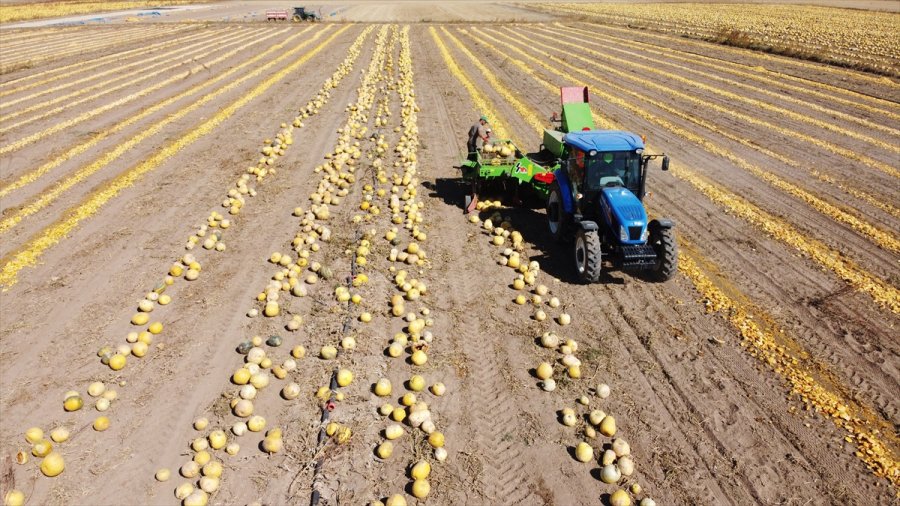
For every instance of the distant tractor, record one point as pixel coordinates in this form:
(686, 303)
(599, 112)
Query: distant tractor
(594, 182)
(302, 14)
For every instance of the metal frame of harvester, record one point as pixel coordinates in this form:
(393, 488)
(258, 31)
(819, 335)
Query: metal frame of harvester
(593, 183)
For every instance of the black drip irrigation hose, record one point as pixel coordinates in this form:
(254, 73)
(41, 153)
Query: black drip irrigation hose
(329, 406)
(326, 415)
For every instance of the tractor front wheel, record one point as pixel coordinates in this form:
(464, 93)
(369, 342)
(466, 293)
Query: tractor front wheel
(663, 241)
(556, 215)
(588, 255)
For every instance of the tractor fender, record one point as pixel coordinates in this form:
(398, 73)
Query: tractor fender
(660, 224)
(565, 188)
(588, 225)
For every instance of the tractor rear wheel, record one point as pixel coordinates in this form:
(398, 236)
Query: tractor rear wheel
(588, 255)
(556, 215)
(296, 18)
(663, 241)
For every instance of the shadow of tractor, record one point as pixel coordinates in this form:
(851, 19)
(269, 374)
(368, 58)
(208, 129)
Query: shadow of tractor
(556, 259)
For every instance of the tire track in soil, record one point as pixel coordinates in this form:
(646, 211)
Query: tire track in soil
(503, 479)
(494, 461)
(778, 426)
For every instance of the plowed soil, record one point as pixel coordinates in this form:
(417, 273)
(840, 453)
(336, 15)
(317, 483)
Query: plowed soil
(707, 421)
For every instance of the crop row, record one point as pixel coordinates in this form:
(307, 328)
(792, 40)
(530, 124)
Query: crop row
(793, 366)
(138, 342)
(50, 44)
(775, 348)
(744, 118)
(169, 62)
(759, 60)
(862, 40)
(43, 77)
(870, 199)
(37, 173)
(882, 292)
(28, 254)
(63, 125)
(766, 78)
(46, 198)
(722, 86)
(71, 48)
(303, 274)
(880, 237)
(262, 365)
(190, 41)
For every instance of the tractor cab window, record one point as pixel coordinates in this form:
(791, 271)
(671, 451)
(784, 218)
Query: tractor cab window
(611, 169)
(577, 166)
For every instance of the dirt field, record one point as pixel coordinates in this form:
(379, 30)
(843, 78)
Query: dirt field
(766, 372)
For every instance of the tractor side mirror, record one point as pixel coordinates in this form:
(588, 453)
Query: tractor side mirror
(665, 163)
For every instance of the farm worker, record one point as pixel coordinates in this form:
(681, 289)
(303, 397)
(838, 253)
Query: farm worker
(478, 135)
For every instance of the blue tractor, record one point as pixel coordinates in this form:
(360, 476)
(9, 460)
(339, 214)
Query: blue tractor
(595, 197)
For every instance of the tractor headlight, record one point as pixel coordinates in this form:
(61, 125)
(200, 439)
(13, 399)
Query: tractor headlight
(646, 234)
(623, 233)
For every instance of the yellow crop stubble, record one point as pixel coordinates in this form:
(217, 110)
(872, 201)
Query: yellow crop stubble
(829, 146)
(29, 254)
(668, 40)
(35, 174)
(111, 60)
(876, 446)
(880, 237)
(196, 40)
(478, 98)
(881, 291)
(124, 78)
(488, 74)
(30, 139)
(72, 48)
(603, 40)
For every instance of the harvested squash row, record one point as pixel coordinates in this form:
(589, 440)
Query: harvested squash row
(261, 358)
(138, 342)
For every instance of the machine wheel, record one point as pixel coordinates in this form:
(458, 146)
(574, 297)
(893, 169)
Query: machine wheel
(663, 241)
(296, 18)
(556, 219)
(588, 255)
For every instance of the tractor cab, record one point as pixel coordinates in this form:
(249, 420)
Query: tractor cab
(597, 197)
(601, 159)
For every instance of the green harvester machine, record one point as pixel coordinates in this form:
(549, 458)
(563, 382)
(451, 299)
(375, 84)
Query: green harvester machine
(503, 166)
(592, 182)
